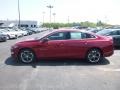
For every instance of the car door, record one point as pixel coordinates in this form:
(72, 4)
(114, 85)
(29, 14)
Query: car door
(55, 46)
(116, 37)
(76, 45)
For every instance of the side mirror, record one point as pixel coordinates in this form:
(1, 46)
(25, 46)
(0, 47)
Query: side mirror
(45, 40)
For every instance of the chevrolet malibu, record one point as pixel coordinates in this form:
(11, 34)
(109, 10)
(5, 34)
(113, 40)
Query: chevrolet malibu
(64, 44)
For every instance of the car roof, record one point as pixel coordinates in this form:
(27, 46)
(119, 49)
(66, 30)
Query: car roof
(68, 30)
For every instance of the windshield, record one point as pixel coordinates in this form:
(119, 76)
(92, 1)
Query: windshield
(43, 34)
(103, 32)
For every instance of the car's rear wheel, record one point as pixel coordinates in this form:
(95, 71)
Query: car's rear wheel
(16, 36)
(8, 37)
(26, 56)
(94, 56)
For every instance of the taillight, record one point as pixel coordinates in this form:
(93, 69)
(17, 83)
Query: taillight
(110, 38)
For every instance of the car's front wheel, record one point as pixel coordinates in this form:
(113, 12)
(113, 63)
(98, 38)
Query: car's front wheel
(94, 56)
(26, 56)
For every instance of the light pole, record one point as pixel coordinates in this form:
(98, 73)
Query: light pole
(43, 16)
(19, 14)
(54, 14)
(68, 19)
(50, 7)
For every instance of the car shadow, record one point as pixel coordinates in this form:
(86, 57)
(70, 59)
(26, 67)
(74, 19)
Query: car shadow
(61, 62)
(117, 48)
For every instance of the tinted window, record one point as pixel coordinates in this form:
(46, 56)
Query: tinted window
(114, 33)
(58, 36)
(118, 32)
(86, 35)
(104, 32)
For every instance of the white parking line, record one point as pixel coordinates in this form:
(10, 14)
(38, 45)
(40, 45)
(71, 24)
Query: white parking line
(111, 63)
(109, 69)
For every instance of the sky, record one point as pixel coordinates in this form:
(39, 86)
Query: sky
(107, 11)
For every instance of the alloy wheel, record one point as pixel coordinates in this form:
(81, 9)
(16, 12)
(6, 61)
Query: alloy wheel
(94, 56)
(27, 56)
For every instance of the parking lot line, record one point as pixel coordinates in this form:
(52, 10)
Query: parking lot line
(111, 63)
(109, 69)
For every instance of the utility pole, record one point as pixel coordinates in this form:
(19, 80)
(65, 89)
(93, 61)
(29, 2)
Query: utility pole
(19, 14)
(43, 16)
(50, 7)
(68, 19)
(54, 14)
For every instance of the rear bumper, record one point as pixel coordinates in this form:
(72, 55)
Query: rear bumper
(107, 54)
(108, 51)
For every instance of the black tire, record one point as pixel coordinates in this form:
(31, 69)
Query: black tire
(94, 56)
(16, 36)
(26, 56)
(5, 39)
(8, 37)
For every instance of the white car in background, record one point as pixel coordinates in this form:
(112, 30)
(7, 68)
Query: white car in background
(19, 34)
(10, 35)
(22, 32)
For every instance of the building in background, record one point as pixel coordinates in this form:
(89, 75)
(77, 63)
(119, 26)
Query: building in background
(15, 23)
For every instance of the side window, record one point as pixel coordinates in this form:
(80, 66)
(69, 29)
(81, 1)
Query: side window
(118, 32)
(86, 35)
(114, 33)
(75, 35)
(80, 35)
(57, 36)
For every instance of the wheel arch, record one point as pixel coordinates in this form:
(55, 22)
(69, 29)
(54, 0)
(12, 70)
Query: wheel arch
(28, 49)
(95, 48)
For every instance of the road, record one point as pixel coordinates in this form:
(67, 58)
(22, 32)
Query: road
(57, 74)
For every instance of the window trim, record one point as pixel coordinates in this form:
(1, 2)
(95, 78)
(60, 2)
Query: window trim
(69, 35)
(83, 38)
(54, 33)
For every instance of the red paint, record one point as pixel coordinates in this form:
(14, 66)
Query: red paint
(66, 48)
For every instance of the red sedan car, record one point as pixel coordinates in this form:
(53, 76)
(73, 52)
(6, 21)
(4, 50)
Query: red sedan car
(64, 44)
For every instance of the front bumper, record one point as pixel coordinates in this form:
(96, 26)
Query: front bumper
(14, 53)
(12, 36)
(3, 38)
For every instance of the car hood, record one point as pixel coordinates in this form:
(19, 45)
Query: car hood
(26, 43)
(28, 40)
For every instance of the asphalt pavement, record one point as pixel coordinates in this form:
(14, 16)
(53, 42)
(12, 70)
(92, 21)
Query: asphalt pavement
(57, 74)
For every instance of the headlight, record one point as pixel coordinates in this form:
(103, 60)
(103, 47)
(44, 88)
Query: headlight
(15, 46)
